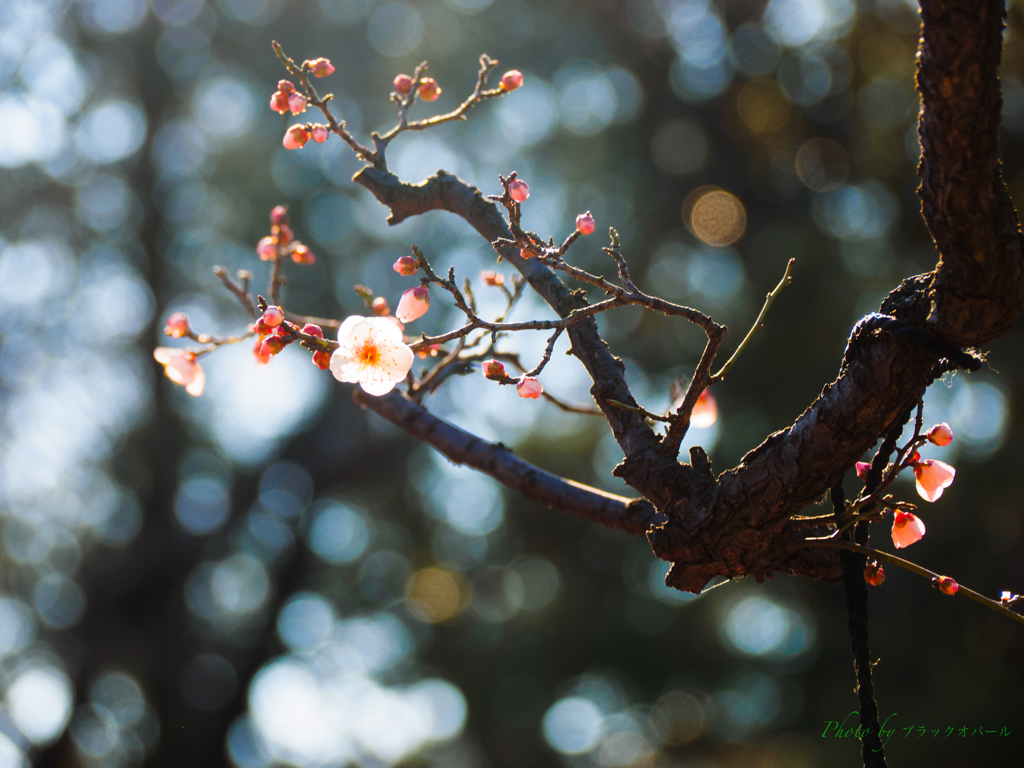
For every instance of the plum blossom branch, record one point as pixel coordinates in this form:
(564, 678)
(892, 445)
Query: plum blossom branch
(334, 125)
(995, 605)
(480, 93)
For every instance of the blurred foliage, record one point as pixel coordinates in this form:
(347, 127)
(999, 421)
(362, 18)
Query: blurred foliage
(269, 574)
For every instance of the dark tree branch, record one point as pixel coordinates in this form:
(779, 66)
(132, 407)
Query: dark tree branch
(977, 288)
(494, 459)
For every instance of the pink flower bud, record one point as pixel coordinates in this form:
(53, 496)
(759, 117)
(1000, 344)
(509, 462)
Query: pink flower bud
(285, 87)
(180, 366)
(296, 137)
(404, 84)
(492, 279)
(406, 265)
(261, 359)
(380, 306)
(518, 190)
(933, 477)
(874, 574)
(177, 325)
(863, 467)
(322, 359)
(297, 103)
(529, 387)
(302, 255)
(266, 248)
(319, 133)
(271, 346)
(273, 316)
(284, 234)
(511, 80)
(906, 529)
(940, 434)
(948, 586)
(262, 328)
(526, 253)
(321, 67)
(494, 370)
(311, 329)
(429, 89)
(414, 304)
(279, 102)
(278, 215)
(705, 411)
(585, 223)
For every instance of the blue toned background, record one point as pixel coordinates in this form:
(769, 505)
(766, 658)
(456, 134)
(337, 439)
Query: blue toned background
(267, 576)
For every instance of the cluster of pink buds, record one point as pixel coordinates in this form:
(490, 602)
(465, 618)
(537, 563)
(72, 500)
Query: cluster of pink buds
(319, 67)
(528, 387)
(177, 325)
(274, 334)
(281, 240)
(428, 89)
(321, 357)
(932, 478)
(287, 99)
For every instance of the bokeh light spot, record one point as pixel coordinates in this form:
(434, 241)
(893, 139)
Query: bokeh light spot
(822, 164)
(39, 701)
(715, 216)
(572, 725)
(436, 595)
(762, 107)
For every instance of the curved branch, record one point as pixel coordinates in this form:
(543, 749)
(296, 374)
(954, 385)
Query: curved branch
(978, 287)
(494, 459)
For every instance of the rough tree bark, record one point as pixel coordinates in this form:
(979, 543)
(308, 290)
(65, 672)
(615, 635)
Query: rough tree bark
(738, 523)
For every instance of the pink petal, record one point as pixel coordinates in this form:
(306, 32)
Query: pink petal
(906, 529)
(932, 478)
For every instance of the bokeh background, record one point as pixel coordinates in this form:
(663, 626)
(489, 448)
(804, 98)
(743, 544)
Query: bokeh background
(267, 576)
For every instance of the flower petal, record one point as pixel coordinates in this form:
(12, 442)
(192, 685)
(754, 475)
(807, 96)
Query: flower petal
(344, 367)
(346, 327)
(195, 387)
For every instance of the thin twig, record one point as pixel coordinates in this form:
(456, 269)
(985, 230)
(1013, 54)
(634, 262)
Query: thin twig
(241, 292)
(547, 354)
(995, 605)
(786, 280)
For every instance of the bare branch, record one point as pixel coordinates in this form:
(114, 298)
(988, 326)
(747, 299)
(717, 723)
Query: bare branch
(496, 460)
(786, 280)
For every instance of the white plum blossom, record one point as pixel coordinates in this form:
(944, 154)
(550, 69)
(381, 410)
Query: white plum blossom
(371, 353)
